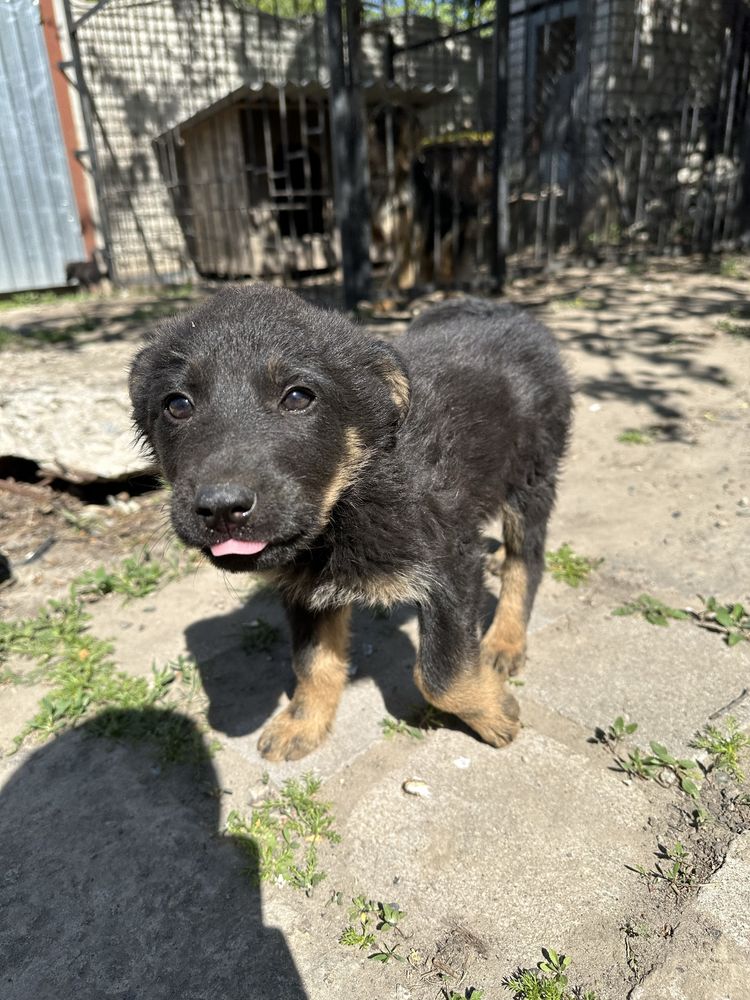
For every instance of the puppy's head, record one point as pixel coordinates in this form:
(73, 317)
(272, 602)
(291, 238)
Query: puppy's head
(262, 412)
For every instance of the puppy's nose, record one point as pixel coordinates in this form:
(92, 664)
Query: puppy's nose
(224, 504)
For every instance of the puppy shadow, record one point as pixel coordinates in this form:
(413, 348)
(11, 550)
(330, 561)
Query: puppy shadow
(244, 659)
(115, 882)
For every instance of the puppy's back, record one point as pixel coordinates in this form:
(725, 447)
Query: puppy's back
(491, 397)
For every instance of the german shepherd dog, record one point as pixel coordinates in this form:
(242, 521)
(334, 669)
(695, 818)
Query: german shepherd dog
(350, 470)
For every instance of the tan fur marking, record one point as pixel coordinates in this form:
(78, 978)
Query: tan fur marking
(513, 529)
(480, 698)
(400, 389)
(504, 645)
(307, 719)
(346, 473)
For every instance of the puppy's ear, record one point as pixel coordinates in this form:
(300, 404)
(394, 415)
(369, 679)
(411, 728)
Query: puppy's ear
(140, 379)
(391, 368)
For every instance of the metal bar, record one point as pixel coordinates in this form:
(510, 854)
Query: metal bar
(349, 149)
(499, 231)
(89, 13)
(86, 114)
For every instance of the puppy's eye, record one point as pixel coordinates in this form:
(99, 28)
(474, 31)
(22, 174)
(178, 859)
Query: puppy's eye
(179, 407)
(297, 398)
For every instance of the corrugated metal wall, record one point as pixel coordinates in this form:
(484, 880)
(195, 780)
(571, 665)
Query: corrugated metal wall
(39, 226)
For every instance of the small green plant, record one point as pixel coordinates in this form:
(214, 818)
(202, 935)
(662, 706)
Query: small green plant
(136, 577)
(653, 610)
(615, 732)
(672, 868)
(652, 766)
(731, 267)
(566, 566)
(549, 981)
(354, 938)
(725, 747)
(734, 329)
(386, 953)
(392, 727)
(470, 994)
(732, 621)
(278, 828)
(369, 921)
(634, 436)
(85, 685)
(576, 302)
(45, 637)
(258, 636)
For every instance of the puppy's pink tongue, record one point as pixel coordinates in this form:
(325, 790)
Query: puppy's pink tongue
(233, 546)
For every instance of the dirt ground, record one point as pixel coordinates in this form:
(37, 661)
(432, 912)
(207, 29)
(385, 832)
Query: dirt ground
(514, 851)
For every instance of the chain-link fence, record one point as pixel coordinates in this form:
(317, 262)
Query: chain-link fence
(532, 127)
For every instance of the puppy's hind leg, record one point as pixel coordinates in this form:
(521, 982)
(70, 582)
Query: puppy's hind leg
(524, 532)
(453, 678)
(320, 649)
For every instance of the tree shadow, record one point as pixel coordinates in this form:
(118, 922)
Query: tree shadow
(115, 883)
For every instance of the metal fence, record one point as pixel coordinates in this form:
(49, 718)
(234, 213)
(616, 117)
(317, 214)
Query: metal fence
(241, 138)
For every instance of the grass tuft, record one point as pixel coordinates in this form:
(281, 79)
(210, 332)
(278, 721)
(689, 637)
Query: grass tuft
(567, 567)
(282, 835)
(549, 981)
(653, 610)
(724, 747)
(392, 727)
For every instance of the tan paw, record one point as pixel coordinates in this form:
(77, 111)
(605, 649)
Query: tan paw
(498, 726)
(506, 658)
(291, 736)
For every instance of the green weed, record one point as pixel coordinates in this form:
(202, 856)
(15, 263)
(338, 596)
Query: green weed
(634, 436)
(549, 981)
(734, 329)
(136, 577)
(392, 727)
(283, 833)
(731, 267)
(673, 868)
(725, 747)
(653, 610)
(651, 767)
(84, 681)
(470, 994)
(566, 566)
(22, 300)
(615, 732)
(371, 919)
(576, 302)
(732, 621)
(48, 636)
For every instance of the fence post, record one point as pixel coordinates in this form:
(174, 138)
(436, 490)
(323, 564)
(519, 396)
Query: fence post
(349, 147)
(88, 126)
(499, 234)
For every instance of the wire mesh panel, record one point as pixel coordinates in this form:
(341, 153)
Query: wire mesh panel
(628, 128)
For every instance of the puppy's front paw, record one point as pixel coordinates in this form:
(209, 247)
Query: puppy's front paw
(499, 724)
(291, 735)
(506, 658)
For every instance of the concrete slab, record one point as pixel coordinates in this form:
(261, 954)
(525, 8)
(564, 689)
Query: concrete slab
(593, 667)
(710, 954)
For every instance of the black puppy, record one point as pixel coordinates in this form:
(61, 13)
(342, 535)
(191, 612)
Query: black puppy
(352, 470)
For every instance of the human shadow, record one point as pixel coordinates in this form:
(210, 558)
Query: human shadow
(244, 683)
(115, 883)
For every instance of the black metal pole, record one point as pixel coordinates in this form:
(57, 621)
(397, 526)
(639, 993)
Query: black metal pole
(86, 105)
(349, 148)
(499, 234)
